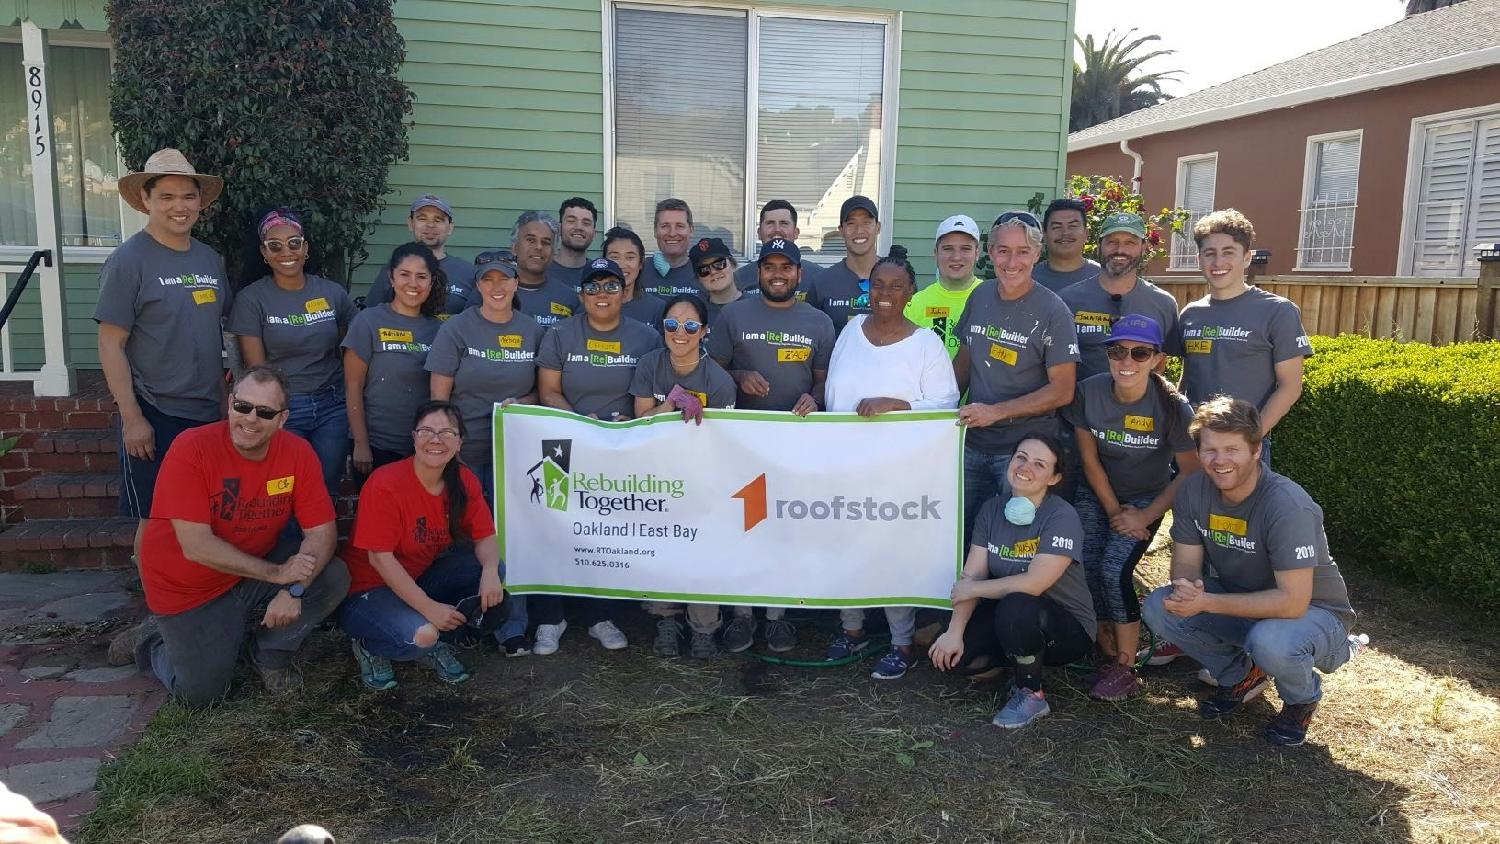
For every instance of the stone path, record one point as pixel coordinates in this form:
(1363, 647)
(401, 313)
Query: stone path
(63, 709)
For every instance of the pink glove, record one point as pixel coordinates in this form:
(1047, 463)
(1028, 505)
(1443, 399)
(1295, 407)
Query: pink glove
(686, 402)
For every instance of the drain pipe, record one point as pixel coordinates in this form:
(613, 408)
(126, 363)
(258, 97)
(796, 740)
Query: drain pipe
(1140, 164)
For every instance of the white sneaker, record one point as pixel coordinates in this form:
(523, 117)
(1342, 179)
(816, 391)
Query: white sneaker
(608, 635)
(1207, 677)
(546, 638)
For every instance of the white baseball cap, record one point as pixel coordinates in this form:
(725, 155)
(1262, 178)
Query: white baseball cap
(959, 223)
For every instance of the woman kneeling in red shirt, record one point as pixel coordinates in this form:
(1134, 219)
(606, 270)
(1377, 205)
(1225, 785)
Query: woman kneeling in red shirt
(423, 542)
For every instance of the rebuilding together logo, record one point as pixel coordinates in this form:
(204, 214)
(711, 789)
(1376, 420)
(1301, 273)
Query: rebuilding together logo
(555, 486)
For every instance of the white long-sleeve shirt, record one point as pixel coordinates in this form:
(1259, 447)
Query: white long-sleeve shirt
(916, 370)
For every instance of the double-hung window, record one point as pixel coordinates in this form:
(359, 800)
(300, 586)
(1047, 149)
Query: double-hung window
(1330, 189)
(1196, 175)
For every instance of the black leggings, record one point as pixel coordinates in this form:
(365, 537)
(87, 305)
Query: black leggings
(1035, 628)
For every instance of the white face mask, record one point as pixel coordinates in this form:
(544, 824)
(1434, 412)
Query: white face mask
(1020, 511)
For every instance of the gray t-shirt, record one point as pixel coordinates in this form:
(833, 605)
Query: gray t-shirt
(1011, 345)
(747, 276)
(566, 276)
(395, 348)
(678, 280)
(1278, 527)
(300, 329)
(597, 366)
(461, 292)
(548, 304)
(655, 377)
(646, 308)
(489, 362)
(1232, 346)
(1095, 310)
(1055, 530)
(836, 293)
(1134, 445)
(1055, 281)
(785, 345)
(173, 304)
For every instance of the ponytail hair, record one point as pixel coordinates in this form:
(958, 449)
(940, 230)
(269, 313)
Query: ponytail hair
(898, 258)
(453, 482)
(1169, 398)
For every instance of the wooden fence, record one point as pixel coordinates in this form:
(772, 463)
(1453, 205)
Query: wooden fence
(1427, 310)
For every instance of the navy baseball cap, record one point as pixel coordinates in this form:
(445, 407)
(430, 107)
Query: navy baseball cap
(710, 249)
(780, 246)
(599, 267)
(430, 200)
(857, 203)
(1137, 327)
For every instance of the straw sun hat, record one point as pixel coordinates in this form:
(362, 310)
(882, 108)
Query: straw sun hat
(167, 162)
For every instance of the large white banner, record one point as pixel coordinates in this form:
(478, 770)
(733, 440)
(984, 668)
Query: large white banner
(752, 508)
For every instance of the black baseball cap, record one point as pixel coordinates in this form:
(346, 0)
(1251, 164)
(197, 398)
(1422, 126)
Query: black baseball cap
(780, 246)
(602, 267)
(857, 203)
(710, 249)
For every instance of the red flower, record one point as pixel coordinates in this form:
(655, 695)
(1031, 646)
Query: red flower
(1088, 202)
(1155, 239)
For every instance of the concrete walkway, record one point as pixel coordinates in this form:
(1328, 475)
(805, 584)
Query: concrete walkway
(63, 710)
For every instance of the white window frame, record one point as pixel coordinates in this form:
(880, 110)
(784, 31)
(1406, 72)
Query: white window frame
(1187, 235)
(890, 87)
(1309, 184)
(131, 221)
(1406, 253)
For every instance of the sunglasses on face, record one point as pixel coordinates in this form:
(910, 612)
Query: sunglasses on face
(594, 287)
(245, 408)
(293, 244)
(1139, 354)
(704, 270)
(690, 326)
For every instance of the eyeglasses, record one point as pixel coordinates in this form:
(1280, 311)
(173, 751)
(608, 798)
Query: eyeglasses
(1026, 219)
(447, 435)
(690, 326)
(245, 408)
(1139, 354)
(712, 267)
(594, 287)
(293, 244)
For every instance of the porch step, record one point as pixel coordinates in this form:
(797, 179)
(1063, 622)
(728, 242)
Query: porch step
(84, 450)
(67, 544)
(55, 495)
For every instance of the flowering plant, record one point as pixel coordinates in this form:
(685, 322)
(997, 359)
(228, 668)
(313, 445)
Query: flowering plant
(1105, 195)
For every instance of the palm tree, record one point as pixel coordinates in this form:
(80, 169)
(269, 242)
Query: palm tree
(1104, 87)
(1417, 7)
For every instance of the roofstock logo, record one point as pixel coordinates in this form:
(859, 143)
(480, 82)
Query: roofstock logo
(758, 507)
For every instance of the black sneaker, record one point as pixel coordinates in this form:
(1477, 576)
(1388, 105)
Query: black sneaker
(1228, 699)
(516, 646)
(1288, 728)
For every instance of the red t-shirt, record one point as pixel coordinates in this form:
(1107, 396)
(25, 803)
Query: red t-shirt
(246, 502)
(398, 514)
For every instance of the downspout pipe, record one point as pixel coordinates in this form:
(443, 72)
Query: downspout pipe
(1140, 164)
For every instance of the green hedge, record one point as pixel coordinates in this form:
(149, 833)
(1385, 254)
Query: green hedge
(1400, 444)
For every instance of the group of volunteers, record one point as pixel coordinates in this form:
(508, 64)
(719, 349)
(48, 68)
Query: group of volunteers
(1076, 445)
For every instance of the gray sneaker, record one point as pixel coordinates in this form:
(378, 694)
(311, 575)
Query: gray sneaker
(123, 646)
(739, 634)
(668, 638)
(1024, 707)
(781, 636)
(703, 646)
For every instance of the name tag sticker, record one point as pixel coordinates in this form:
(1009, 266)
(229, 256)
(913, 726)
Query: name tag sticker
(935, 312)
(1199, 347)
(607, 346)
(1228, 523)
(396, 335)
(1004, 355)
(793, 355)
(561, 310)
(317, 306)
(510, 341)
(1140, 423)
(206, 296)
(281, 486)
(702, 397)
(1092, 318)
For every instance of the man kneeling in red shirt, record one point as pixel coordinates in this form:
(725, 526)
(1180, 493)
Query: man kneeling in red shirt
(210, 560)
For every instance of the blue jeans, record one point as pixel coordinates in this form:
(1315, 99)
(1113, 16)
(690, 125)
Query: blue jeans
(320, 418)
(1288, 649)
(387, 626)
(138, 477)
(1265, 451)
(984, 477)
(515, 624)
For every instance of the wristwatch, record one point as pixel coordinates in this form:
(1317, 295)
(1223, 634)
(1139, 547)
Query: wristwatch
(296, 590)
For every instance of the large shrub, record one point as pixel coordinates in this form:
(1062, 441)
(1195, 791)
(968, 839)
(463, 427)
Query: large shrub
(1400, 444)
(293, 102)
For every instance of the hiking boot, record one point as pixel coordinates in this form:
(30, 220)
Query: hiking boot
(893, 666)
(781, 636)
(547, 636)
(1115, 682)
(123, 646)
(444, 662)
(1227, 701)
(1288, 728)
(1162, 654)
(843, 646)
(1024, 707)
(374, 671)
(703, 646)
(668, 638)
(739, 634)
(279, 681)
(515, 646)
(609, 636)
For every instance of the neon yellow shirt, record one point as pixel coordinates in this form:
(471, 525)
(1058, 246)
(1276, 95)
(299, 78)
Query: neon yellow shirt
(939, 308)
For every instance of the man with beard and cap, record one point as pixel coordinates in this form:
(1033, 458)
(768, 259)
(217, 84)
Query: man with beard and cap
(1065, 233)
(431, 224)
(778, 220)
(1118, 290)
(669, 272)
(578, 221)
(541, 297)
(843, 289)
